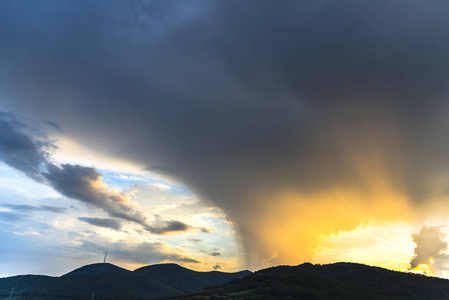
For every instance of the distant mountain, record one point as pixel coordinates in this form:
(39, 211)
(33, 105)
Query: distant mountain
(112, 282)
(187, 280)
(96, 269)
(333, 281)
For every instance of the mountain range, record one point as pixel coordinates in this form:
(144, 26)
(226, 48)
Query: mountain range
(107, 281)
(170, 281)
(333, 281)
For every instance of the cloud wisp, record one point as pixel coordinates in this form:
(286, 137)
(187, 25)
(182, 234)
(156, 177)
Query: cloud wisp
(11, 216)
(102, 222)
(25, 207)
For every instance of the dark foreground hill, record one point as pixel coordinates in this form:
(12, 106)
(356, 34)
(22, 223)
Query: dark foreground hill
(111, 282)
(334, 281)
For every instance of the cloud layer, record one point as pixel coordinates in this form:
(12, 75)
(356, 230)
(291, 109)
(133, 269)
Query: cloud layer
(298, 119)
(143, 253)
(25, 148)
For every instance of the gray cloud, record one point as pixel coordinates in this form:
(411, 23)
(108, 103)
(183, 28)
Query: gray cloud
(195, 240)
(11, 216)
(247, 101)
(205, 230)
(161, 227)
(53, 209)
(430, 249)
(53, 124)
(86, 185)
(24, 152)
(215, 254)
(102, 222)
(142, 253)
(216, 267)
(24, 207)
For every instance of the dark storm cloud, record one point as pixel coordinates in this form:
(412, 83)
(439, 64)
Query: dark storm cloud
(22, 151)
(24, 207)
(102, 222)
(227, 86)
(243, 98)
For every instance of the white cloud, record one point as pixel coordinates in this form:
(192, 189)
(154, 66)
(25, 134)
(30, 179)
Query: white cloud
(431, 249)
(131, 177)
(160, 186)
(27, 233)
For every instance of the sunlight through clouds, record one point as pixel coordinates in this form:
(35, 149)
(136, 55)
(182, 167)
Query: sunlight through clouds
(300, 131)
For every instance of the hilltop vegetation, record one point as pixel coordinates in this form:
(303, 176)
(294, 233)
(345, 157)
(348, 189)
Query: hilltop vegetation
(333, 281)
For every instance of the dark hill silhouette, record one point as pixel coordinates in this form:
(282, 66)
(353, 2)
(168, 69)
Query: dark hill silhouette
(96, 269)
(333, 281)
(187, 280)
(112, 282)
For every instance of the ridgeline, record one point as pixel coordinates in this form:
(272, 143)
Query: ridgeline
(334, 281)
(112, 282)
(171, 281)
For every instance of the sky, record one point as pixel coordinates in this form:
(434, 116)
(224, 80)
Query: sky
(223, 135)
